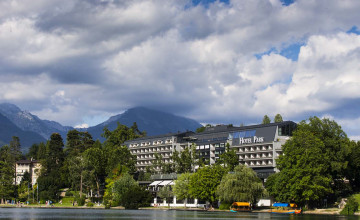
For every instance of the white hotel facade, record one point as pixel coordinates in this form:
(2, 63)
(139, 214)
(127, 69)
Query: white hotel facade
(257, 146)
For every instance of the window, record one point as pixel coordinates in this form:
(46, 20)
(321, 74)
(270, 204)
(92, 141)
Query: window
(242, 134)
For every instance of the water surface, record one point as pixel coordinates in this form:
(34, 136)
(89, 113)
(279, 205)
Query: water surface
(37, 213)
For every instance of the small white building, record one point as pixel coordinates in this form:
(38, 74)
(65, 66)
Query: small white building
(31, 166)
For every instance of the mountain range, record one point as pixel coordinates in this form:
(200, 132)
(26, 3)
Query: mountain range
(31, 129)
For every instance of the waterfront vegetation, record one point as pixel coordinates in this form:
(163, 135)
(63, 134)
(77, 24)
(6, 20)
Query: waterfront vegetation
(318, 167)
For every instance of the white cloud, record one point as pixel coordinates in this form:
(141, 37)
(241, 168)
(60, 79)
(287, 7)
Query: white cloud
(73, 61)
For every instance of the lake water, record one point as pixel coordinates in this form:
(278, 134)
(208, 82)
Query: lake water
(36, 213)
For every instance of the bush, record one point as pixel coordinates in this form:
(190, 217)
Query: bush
(225, 206)
(107, 205)
(90, 204)
(69, 193)
(351, 207)
(80, 200)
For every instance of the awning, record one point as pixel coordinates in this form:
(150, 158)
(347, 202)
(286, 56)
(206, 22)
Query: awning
(155, 183)
(165, 182)
(172, 183)
(241, 204)
(281, 205)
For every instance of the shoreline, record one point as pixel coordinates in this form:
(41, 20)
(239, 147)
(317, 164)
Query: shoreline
(316, 211)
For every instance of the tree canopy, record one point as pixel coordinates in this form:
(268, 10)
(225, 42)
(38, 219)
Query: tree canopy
(181, 187)
(312, 164)
(204, 182)
(278, 118)
(266, 120)
(240, 185)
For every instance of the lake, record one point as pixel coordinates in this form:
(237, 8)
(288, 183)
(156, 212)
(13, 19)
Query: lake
(37, 213)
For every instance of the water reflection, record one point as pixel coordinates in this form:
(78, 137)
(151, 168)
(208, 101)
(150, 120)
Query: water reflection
(36, 213)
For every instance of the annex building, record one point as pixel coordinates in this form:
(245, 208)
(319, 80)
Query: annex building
(256, 146)
(31, 166)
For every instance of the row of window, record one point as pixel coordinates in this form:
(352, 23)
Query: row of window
(207, 146)
(254, 156)
(152, 156)
(258, 163)
(148, 163)
(255, 148)
(151, 149)
(168, 141)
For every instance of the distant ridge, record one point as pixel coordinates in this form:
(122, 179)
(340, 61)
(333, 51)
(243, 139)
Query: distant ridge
(31, 129)
(154, 122)
(9, 129)
(28, 122)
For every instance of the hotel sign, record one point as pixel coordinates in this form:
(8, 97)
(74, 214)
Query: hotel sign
(251, 140)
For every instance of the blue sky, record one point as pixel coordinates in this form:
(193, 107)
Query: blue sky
(80, 62)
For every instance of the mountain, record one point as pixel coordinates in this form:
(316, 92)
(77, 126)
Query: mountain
(152, 121)
(28, 122)
(9, 129)
(31, 129)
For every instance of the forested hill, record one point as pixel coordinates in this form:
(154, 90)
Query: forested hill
(152, 121)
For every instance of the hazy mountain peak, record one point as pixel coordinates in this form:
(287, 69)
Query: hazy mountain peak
(9, 108)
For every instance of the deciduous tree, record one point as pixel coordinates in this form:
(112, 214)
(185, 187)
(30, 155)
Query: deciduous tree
(228, 159)
(278, 118)
(204, 182)
(266, 120)
(303, 175)
(240, 185)
(181, 187)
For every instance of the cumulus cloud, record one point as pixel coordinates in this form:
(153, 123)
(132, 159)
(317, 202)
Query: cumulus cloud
(78, 61)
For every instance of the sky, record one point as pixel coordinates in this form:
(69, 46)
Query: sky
(80, 62)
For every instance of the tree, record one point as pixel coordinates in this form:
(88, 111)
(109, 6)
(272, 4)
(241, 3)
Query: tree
(181, 187)
(128, 193)
(94, 163)
(185, 160)
(336, 149)
(353, 170)
(6, 173)
(203, 128)
(241, 185)
(204, 182)
(33, 152)
(118, 156)
(229, 158)
(114, 151)
(49, 181)
(75, 164)
(303, 175)
(266, 120)
(41, 154)
(15, 148)
(166, 193)
(76, 167)
(77, 142)
(278, 118)
(24, 187)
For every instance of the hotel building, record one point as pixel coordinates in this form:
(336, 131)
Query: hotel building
(256, 146)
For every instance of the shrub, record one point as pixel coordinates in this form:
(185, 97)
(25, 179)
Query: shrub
(80, 200)
(90, 204)
(107, 205)
(69, 193)
(351, 207)
(224, 206)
